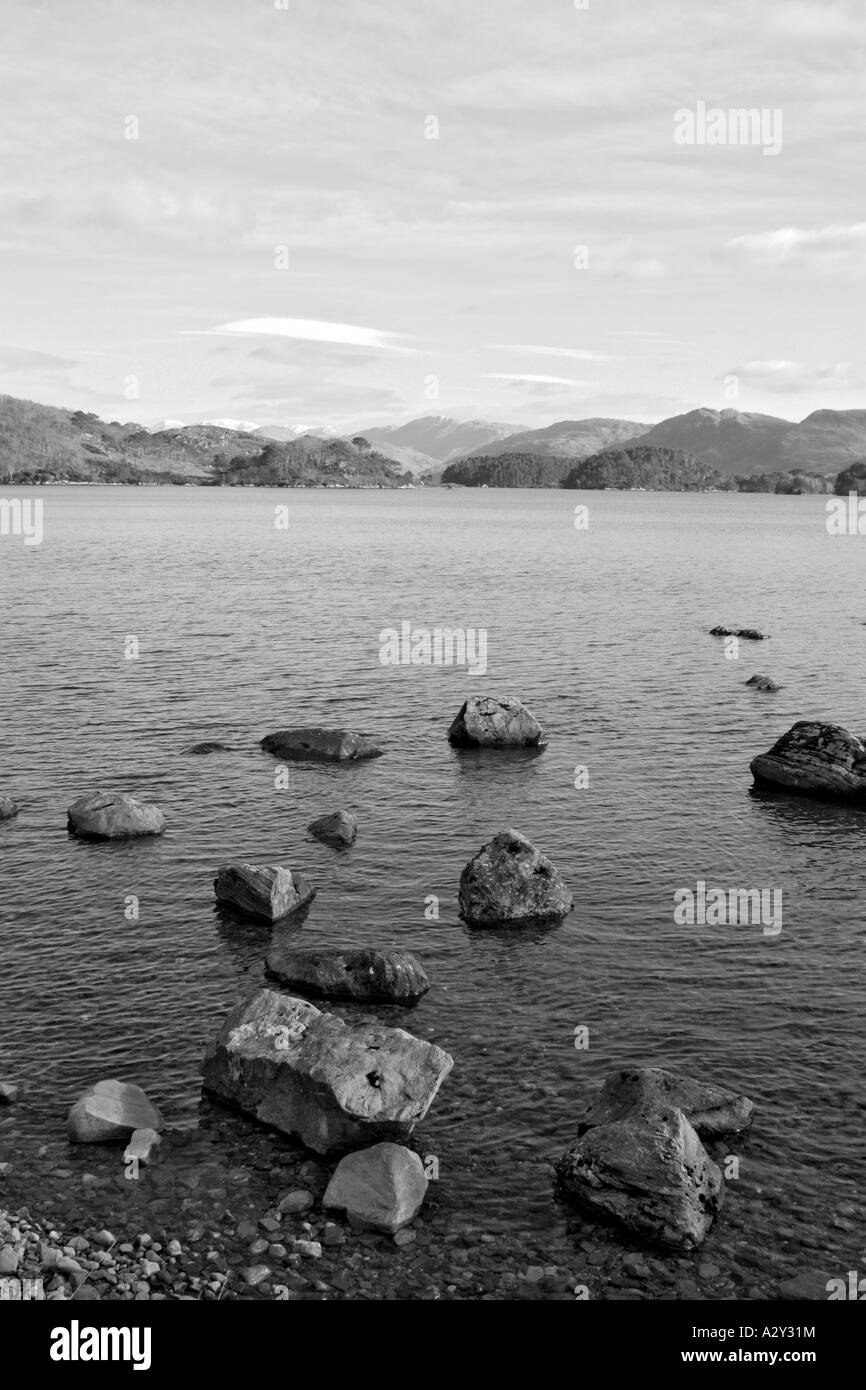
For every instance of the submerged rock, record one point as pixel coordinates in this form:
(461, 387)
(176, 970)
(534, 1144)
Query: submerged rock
(817, 760)
(9, 1093)
(312, 1076)
(649, 1174)
(763, 683)
(645, 1091)
(748, 634)
(381, 1189)
(487, 721)
(396, 976)
(319, 745)
(111, 1110)
(8, 808)
(199, 749)
(263, 890)
(509, 880)
(142, 1146)
(338, 829)
(113, 816)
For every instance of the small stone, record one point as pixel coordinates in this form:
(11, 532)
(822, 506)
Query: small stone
(142, 1147)
(245, 1230)
(296, 1201)
(708, 1271)
(255, 1274)
(404, 1237)
(333, 1235)
(259, 1246)
(534, 1274)
(86, 1293)
(309, 1247)
(8, 1260)
(635, 1267)
(8, 1093)
(270, 1224)
(277, 1252)
(149, 1268)
(174, 1248)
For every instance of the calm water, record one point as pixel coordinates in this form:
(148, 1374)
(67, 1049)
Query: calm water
(244, 628)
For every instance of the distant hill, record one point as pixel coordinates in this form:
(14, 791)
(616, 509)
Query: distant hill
(40, 443)
(573, 439)
(736, 442)
(508, 470)
(643, 466)
(439, 437)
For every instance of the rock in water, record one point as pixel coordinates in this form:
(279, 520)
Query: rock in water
(338, 829)
(509, 880)
(8, 808)
(142, 1146)
(396, 976)
(748, 634)
(763, 683)
(381, 1188)
(312, 1076)
(113, 816)
(263, 890)
(646, 1091)
(816, 760)
(111, 1110)
(199, 749)
(486, 721)
(650, 1175)
(319, 745)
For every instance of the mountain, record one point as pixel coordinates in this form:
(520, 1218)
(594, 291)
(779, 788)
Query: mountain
(40, 443)
(440, 437)
(736, 442)
(573, 439)
(647, 466)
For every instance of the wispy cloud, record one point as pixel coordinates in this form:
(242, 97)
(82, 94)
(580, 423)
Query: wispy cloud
(837, 246)
(307, 330)
(534, 379)
(778, 374)
(578, 354)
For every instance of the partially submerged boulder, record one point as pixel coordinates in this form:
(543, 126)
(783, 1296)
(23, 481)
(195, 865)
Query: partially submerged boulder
(509, 880)
(748, 634)
(815, 759)
(649, 1174)
(765, 683)
(380, 1189)
(645, 1091)
(200, 749)
(316, 1078)
(113, 816)
(142, 1147)
(395, 976)
(8, 808)
(339, 829)
(111, 1110)
(319, 745)
(262, 890)
(487, 721)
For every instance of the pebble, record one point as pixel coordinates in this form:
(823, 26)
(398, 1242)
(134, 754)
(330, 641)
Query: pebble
(8, 1260)
(296, 1201)
(404, 1237)
(8, 1093)
(308, 1247)
(255, 1274)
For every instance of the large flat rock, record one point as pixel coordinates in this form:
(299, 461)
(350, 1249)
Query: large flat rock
(320, 1080)
(113, 816)
(319, 745)
(262, 890)
(815, 759)
(644, 1091)
(394, 976)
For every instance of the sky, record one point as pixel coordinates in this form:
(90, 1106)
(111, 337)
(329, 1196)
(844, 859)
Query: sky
(352, 212)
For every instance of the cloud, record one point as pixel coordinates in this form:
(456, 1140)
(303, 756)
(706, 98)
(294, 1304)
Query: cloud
(578, 354)
(308, 330)
(781, 375)
(836, 246)
(18, 359)
(533, 379)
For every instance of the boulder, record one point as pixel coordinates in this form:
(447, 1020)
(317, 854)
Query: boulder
(748, 634)
(113, 816)
(815, 759)
(9, 1093)
(763, 683)
(645, 1091)
(316, 1078)
(319, 745)
(199, 749)
(650, 1175)
(487, 721)
(262, 890)
(142, 1147)
(394, 976)
(509, 880)
(8, 808)
(111, 1110)
(380, 1189)
(338, 829)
